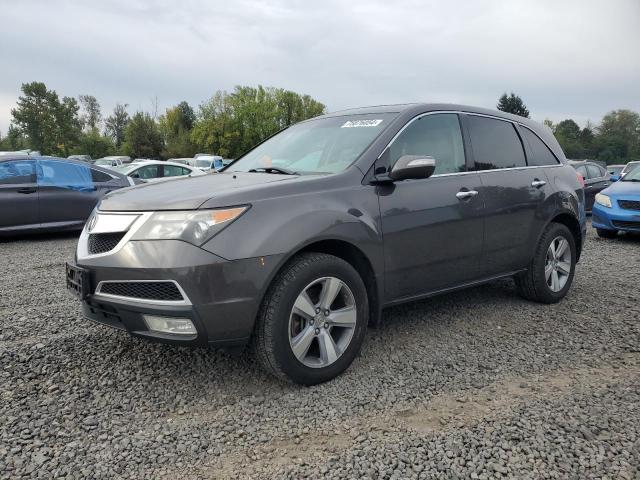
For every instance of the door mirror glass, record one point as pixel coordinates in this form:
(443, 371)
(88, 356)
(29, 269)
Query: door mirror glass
(413, 167)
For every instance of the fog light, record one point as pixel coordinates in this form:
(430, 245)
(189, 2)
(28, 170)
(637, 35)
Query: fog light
(176, 326)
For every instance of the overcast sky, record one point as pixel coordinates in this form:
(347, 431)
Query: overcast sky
(565, 58)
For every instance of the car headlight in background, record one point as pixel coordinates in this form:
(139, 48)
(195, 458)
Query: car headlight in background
(604, 200)
(193, 226)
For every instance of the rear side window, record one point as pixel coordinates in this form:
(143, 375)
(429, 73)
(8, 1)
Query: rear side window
(438, 136)
(495, 144)
(595, 171)
(582, 170)
(65, 175)
(540, 153)
(174, 171)
(149, 171)
(100, 177)
(21, 171)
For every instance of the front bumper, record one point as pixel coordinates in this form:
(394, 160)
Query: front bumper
(615, 218)
(221, 297)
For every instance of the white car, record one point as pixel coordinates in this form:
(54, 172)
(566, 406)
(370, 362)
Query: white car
(113, 161)
(207, 163)
(155, 170)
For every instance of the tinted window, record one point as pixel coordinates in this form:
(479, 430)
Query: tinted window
(495, 144)
(595, 171)
(20, 171)
(540, 153)
(174, 171)
(436, 136)
(64, 175)
(98, 176)
(149, 171)
(582, 170)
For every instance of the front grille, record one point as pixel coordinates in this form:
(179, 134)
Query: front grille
(625, 224)
(164, 291)
(629, 204)
(104, 242)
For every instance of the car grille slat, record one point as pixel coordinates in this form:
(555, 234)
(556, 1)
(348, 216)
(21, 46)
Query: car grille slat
(629, 204)
(104, 242)
(161, 291)
(625, 224)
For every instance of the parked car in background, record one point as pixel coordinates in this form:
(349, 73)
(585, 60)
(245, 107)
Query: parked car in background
(596, 179)
(615, 171)
(630, 167)
(113, 161)
(617, 208)
(32, 153)
(182, 161)
(154, 170)
(208, 163)
(51, 193)
(384, 205)
(83, 158)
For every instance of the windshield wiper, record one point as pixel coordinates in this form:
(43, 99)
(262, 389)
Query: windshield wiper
(273, 170)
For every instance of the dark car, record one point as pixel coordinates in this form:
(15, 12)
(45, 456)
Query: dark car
(298, 245)
(51, 193)
(596, 179)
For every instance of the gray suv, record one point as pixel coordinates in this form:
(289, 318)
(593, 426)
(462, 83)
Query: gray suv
(298, 245)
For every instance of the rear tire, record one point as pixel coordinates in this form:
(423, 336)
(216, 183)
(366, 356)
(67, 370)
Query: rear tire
(304, 336)
(604, 233)
(548, 278)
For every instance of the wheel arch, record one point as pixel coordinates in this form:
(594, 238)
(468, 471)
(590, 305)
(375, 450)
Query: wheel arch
(572, 223)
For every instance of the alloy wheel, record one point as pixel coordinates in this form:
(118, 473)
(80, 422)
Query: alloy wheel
(322, 322)
(558, 264)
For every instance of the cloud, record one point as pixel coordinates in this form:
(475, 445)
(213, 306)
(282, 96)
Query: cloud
(566, 59)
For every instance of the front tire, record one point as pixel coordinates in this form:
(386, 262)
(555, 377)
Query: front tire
(312, 321)
(604, 233)
(550, 274)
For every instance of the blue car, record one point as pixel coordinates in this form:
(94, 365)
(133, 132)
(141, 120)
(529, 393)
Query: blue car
(617, 208)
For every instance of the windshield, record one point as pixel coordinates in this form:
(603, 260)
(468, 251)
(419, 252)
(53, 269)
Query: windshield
(104, 161)
(632, 176)
(629, 167)
(203, 163)
(325, 145)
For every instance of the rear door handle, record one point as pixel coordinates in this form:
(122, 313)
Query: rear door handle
(463, 195)
(538, 183)
(26, 190)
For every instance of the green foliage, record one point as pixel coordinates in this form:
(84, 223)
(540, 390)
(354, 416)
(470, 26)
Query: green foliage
(91, 115)
(14, 140)
(176, 125)
(142, 137)
(116, 123)
(512, 104)
(94, 144)
(47, 124)
(229, 124)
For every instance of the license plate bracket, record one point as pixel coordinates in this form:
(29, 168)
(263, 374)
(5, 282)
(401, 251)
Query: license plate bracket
(78, 281)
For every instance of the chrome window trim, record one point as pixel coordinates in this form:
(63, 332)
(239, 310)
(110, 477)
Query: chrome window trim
(185, 299)
(82, 250)
(456, 112)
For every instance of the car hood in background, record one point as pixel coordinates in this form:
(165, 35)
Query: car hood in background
(186, 193)
(623, 188)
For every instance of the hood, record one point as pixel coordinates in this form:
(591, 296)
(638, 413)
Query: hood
(187, 193)
(620, 188)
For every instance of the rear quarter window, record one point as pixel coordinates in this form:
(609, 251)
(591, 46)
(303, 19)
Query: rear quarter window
(541, 155)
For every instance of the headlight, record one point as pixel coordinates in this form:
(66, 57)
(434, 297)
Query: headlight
(603, 200)
(193, 226)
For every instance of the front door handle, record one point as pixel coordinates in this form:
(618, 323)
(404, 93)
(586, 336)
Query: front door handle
(464, 194)
(26, 190)
(538, 183)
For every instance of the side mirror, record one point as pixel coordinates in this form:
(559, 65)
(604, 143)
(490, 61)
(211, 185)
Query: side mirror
(614, 178)
(412, 167)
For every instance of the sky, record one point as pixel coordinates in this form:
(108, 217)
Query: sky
(566, 58)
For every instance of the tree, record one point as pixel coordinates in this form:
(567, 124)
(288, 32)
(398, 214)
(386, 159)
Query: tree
(116, 124)
(176, 125)
(94, 144)
(91, 115)
(48, 124)
(512, 104)
(142, 137)
(14, 140)
(618, 136)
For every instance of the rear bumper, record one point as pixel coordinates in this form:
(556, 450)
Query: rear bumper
(615, 218)
(222, 297)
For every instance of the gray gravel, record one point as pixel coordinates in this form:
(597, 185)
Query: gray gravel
(476, 384)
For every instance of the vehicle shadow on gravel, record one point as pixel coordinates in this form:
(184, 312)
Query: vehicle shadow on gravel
(39, 237)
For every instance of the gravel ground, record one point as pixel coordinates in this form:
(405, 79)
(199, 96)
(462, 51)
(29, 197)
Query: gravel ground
(476, 384)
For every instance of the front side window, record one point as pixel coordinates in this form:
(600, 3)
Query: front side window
(540, 153)
(70, 176)
(438, 136)
(595, 171)
(582, 170)
(323, 145)
(149, 171)
(17, 172)
(495, 143)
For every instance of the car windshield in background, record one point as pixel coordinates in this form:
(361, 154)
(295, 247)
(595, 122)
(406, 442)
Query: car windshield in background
(632, 176)
(325, 145)
(206, 163)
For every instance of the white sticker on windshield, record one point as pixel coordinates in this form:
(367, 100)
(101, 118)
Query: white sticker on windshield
(361, 123)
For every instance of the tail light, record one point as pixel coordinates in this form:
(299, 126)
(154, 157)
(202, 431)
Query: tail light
(580, 179)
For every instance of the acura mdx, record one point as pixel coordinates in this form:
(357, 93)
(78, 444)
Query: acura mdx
(298, 245)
